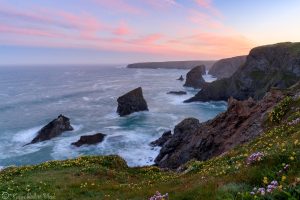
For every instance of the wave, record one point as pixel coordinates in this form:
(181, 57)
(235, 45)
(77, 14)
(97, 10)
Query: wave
(25, 136)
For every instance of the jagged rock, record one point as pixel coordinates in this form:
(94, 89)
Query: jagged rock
(239, 124)
(89, 139)
(53, 129)
(181, 78)
(162, 140)
(131, 102)
(194, 77)
(168, 157)
(266, 67)
(225, 68)
(177, 92)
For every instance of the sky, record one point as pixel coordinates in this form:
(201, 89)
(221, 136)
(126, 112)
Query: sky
(126, 31)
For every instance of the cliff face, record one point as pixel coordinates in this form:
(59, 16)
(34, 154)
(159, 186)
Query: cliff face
(226, 67)
(269, 66)
(201, 141)
(172, 64)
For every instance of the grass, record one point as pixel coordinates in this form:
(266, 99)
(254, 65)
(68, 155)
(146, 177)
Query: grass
(223, 177)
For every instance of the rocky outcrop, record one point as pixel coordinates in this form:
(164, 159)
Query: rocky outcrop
(225, 68)
(266, 67)
(89, 139)
(180, 78)
(194, 77)
(177, 92)
(162, 140)
(239, 124)
(53, 129)
(132, 102)
(172, 64)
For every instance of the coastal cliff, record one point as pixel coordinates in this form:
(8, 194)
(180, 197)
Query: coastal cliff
(268, 66)
(201, 141)
(225, 68)
(172, 64)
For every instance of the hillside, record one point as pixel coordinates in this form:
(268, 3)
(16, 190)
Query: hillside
(268, 66)
(172, 64)
(270, 163)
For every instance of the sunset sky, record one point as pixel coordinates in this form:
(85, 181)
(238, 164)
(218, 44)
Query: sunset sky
(125, 31)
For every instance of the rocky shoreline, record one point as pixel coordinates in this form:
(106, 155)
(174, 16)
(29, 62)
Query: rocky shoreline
(248, 105)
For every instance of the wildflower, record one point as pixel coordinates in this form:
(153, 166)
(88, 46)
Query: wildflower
(261, 191)
(159, 196)
(283, 178)
(292, 158)
(265, 180)
(255, 157)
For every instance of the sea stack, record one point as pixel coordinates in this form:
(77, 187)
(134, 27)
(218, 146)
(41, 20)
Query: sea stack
(89, 139)
(131, 102)
(194, 77)
(55, 128)
(180, 78)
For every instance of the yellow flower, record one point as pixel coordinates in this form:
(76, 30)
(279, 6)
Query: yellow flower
(283, 178)
(265, 180)
(292, 158)
(280, 187)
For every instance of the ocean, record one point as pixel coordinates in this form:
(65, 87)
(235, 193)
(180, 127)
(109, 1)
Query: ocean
(30, 97)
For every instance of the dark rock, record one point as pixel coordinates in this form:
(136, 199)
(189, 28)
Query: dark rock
(53, 129)
(242, 122)
(266, 67)
(194, 77)
(132, 102)
(168, 156)
(181, 78)
(89, 139)
(162, 140)
(177, 92)
(225, 68)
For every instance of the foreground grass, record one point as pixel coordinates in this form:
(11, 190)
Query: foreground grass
(223, 177)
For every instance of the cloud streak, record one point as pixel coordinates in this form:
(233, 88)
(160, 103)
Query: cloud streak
(136, 32)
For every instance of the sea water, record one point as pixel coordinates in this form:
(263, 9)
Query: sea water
(30, 97)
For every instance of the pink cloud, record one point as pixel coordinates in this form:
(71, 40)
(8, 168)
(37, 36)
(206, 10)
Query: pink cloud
(148, 39)
(25, 31)
(57, 28)
(86, 24)
(204, 20)
(162, 4)
(122, 29)
(119, 6)
(208, 5)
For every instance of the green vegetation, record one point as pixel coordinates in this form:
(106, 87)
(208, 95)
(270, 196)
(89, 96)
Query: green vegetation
(295, 48)
(233, 175)
(280, 110)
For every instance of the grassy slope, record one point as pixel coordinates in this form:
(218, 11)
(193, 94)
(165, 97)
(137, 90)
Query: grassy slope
(224, 177)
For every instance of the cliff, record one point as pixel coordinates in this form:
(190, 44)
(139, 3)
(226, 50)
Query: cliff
(268, 66)
(201, 141)
(172, 64)
(225, 68)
